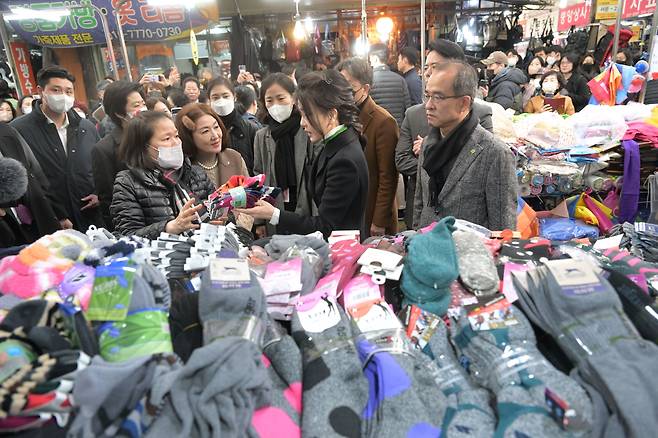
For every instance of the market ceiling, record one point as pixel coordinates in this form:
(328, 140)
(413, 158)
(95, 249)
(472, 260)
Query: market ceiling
(253, 7)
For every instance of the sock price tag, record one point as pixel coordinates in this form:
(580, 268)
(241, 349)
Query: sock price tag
(230, 273)
(420, 325)
(322, 316)
(494, 314)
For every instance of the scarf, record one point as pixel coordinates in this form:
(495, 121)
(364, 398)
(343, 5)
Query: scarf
(284, 155)
(440, 157)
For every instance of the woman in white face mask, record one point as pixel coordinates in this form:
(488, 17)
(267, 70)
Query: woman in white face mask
(161, 190)
(550, 98)
(25, 105)
(282, 148)
(204, 140)
(221, 96)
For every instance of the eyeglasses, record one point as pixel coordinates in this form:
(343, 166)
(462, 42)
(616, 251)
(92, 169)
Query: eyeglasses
(436, 97)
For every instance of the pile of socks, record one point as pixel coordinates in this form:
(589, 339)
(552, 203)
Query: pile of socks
(404, 399)
(642, 240)
(506, 361)
(216, 392)
(240, 192)
(177, 256)
(335, 391)
(574, 304)
(299, 262)
(477, 270)
(468, 412)
(42, 265)
(283, 360)
(44, 347)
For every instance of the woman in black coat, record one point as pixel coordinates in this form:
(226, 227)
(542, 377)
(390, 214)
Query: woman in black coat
(338, 178)
(158, 191)
(221, 97)
(576, 87)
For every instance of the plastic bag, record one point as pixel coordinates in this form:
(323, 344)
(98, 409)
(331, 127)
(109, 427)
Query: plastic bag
(547, 130)
(566, 229)
(597, 125)
(503, 124)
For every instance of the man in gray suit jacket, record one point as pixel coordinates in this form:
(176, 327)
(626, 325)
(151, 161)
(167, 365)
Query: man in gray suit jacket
(415, 128)
(463, 170)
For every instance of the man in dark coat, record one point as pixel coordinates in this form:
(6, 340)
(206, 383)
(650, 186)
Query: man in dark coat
(505, 88)
(381, 133)
(61, 142)
(389, 90)
(407, 61)
(415, 127)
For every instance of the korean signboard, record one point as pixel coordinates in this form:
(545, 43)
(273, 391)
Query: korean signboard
(83, 26)
(634, 8)
(21, 55)
(576, 15)
(606, 9)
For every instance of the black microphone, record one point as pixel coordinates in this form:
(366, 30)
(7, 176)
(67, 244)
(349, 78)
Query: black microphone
(13, 180)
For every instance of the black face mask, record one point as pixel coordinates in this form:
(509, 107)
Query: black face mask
(587, 68)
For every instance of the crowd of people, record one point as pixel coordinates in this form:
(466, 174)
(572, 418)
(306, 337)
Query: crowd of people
(333, 140)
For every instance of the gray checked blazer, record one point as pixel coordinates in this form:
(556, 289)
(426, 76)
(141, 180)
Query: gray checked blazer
(481, 188)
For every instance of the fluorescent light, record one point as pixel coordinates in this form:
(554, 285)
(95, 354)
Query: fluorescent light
(308, 24)
(22, 13)
(299, 33)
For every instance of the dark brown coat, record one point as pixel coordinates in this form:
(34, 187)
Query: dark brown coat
(381, 132)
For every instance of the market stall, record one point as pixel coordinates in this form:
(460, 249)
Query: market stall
(444, 331)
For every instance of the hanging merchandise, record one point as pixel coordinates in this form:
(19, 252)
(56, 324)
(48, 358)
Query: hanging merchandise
(577, 41)
(547, 34)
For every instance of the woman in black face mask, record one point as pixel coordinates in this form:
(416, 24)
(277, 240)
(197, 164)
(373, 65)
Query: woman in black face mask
(588, 67)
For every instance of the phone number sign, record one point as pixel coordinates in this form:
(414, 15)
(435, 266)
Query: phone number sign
(83, 26)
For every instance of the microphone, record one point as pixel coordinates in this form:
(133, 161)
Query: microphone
(13, 180)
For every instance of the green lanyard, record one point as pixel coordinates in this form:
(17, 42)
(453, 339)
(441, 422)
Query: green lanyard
(335, 133)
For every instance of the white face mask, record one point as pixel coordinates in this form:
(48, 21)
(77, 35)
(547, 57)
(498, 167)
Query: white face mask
(170, 158)
(280, 113)
(59, 103)
(511, 62)
(550, 60)
(27, 110)
(549, 87)
(223, 107)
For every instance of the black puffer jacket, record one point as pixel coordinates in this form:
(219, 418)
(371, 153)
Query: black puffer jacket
(242, 133)
(389, 90)
(142, 203)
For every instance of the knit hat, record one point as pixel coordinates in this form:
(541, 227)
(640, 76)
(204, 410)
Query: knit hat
(430, 267)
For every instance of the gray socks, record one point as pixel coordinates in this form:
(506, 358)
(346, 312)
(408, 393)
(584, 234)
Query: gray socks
(334, 388)
(584, 315)
(507, 362)
(468, 413)
(224, 382)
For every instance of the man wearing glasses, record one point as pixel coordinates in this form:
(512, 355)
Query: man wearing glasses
(414, 128)
(463, 170)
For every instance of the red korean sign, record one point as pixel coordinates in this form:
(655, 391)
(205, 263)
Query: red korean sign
(576, 15)
(634, 8)
(21, 55)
